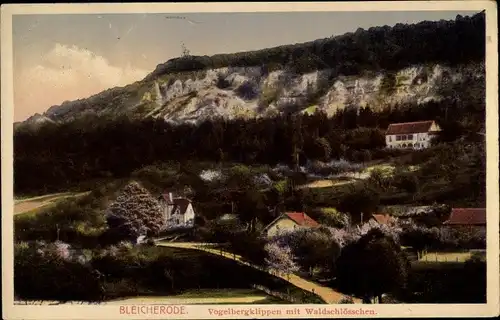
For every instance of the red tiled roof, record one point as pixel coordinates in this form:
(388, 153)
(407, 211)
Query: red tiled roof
(467, 216)
(302, 219)
(382, 218)
(409, 127)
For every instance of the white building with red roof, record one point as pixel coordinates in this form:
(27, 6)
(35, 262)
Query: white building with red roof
(289, 221)
(411, 135)
(177, 211)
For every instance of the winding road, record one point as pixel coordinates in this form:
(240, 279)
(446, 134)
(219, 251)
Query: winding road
(329, 295)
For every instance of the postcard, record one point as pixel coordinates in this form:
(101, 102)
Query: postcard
(250, 160)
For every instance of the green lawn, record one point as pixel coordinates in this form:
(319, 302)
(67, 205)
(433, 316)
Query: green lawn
(446, 256)
(310, 110)
(41, 198)
(34, 205)
(451, 256)
(202, 296)
(209, 296)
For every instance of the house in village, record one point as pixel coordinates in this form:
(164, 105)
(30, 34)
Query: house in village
(177, 211)
(469, 220)
(288, 221)
(382, 218)
(413, 135)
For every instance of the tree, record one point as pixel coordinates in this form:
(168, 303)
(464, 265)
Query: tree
(372, 266)
(135, 212)
(316, 248)
(360, 201)
(310, 248)
(49, 272)
(280, 258)
(321, 149)
(185, 51)
(251, 208)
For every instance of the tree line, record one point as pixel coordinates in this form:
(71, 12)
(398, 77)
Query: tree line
(391, 48)
(56, 156)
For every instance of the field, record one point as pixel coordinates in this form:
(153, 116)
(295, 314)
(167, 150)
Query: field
(325, 183)
(203, 296)
(209, 296)
(32, 205)
(446, 256)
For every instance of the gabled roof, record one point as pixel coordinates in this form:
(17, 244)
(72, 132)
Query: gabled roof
(302, 219)
(180, 205)
(467, 216)
(299, 218)
(382, 218)
(409, 127)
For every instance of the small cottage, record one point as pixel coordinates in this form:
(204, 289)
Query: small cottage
(289, 221)
(469, 217)
(177, 211)
(469, 220)
(382, 218)
(411, 135)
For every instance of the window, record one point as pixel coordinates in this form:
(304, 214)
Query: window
(404, 145)
(389, 139)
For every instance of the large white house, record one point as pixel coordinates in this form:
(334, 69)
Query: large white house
(177, 211)
(414, 135)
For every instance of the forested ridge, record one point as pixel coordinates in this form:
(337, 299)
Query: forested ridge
(390, 48)
(57, 155)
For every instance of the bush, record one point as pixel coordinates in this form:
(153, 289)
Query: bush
(250, 246)
(372, 266)
(135, 212)
(47, 273)
(248, 90)
(347, 300)
(310, 248)
(222, 83)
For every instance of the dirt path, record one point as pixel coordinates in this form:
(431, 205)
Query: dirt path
(327, 294)
(25, 205)
(325, 183)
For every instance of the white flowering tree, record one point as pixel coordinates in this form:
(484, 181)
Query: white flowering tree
(135, 212)
(280, 258)
(310, 248)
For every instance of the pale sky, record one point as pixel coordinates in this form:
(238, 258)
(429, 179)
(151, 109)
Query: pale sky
(72, 56)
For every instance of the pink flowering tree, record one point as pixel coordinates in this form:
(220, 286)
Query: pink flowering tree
(280, 258)
(135, 212)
